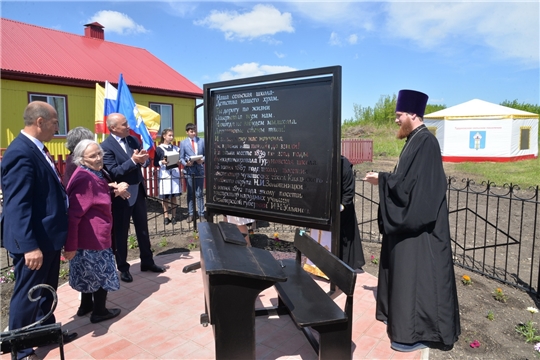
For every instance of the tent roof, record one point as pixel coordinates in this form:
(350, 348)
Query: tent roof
(479, 109)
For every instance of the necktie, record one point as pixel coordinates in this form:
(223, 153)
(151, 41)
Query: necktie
(193, 146)
(46, 151)
(123, 143)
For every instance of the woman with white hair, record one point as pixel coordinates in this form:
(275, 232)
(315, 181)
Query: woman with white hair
(74, 136)
(89, 244)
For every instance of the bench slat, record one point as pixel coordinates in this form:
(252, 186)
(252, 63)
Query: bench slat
(336, 270)
(307, 302)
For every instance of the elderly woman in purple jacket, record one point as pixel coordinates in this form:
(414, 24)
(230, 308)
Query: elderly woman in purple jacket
(89, 242)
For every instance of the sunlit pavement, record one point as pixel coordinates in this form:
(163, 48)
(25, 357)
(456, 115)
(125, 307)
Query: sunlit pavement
(160, 319)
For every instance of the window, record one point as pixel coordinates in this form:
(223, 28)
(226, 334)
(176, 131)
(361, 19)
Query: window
(524, 138)
(59, 103)
(165, 111)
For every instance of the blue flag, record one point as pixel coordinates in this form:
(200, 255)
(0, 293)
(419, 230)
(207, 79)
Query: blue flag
(126, 106)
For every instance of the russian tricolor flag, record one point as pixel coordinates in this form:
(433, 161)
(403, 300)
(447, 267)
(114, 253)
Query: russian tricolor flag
(105, 105)
(143, 121)
(110, 100)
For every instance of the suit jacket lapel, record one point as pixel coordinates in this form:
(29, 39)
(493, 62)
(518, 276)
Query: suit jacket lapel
(129, 144)
(118, 148)
(41, 156)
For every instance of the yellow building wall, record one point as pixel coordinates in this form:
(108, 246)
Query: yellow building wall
(80, 103)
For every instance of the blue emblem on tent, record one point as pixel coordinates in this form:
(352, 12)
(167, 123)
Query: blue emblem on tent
(477, 140)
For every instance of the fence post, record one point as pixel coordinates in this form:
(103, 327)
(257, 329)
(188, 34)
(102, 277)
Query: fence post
(194, 199)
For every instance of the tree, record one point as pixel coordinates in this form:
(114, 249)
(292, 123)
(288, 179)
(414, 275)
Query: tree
(522, 106)
(384, 111)
(525, 107)
(431, 108)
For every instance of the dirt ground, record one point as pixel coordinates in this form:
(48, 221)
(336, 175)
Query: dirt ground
(497, 337)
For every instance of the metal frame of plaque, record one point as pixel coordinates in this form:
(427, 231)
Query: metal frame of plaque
(273, 148)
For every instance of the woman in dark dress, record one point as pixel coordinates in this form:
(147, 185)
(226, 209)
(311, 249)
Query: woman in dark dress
(350, 243)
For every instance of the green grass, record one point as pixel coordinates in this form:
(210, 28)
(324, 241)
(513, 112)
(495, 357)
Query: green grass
(524, 173)
(384, 138)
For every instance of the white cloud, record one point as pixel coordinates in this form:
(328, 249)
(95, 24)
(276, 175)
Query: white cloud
(253, 69)
(337, 13)
(181, 8)
(117, 22)
(334, 39)
(261, 21)
(279, 55)
(509, 29)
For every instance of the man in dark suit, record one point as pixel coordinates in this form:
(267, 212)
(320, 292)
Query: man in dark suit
(123, 158)
(34, 218)
(193, 146)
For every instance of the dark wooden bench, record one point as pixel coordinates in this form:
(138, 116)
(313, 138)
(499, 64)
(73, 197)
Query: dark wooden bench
(34, 334)
(310, 307)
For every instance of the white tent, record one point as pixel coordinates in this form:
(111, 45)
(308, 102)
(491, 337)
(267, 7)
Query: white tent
(481, 131)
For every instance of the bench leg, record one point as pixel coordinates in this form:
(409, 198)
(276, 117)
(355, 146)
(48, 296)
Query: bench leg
(335, 342)
(280, 309)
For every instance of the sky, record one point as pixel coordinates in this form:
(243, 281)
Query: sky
(453, 51)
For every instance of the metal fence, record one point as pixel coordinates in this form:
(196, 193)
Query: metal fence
(494, 230)
(357, 150)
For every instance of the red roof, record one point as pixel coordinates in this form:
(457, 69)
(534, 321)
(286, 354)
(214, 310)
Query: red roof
(35, 53)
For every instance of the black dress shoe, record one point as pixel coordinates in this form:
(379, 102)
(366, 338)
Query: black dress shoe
(153, 268)
(189, 219)
(126, 276)
(166, 221)
(67, 338)
(112, 313)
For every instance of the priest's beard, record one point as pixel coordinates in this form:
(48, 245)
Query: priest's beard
(405, 129)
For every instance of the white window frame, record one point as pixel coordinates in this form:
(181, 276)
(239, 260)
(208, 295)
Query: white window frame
(59, 103)
(164, 123)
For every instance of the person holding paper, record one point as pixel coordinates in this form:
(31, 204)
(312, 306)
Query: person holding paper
(169, 174)
(123, 158)
(192, 157)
